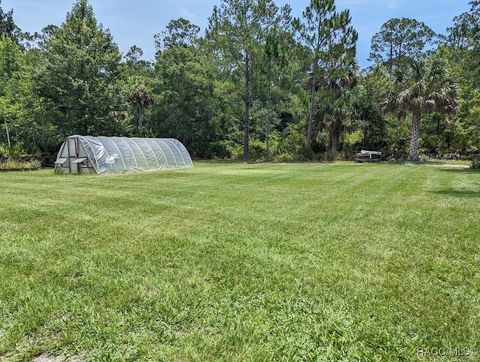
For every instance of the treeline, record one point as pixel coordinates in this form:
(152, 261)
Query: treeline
(258, 84)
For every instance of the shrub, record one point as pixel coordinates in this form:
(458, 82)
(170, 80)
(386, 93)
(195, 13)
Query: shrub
(14, 165)
(231, 149)
(424, 158)
(257, 150)
(3, 152)
(16, 152)
(284, 157)
(354, 138)
(292, 144)
(476, 163)
(16, 159)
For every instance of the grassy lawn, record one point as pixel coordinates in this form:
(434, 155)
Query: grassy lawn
(241, 262)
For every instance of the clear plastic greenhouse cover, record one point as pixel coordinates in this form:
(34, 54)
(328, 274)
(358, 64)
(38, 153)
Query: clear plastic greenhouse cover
(121, 154)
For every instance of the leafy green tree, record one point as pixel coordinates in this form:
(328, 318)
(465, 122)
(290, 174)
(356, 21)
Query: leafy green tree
(79, 76)
(425, 87)
(178, 32)
(256, 82)
(237, 31)
(10, 58)
(462, 134)
(38, 39)
(338, 79)
(279, 78)
(184, 99)
(21, 111)
(184, 90)
(267, 120)
(462, 54)
(466, 127)
(400, 39)
(465, 32)
(8, 27)
(324, 31)
(366, 102)
(464, 38)
(134, 57)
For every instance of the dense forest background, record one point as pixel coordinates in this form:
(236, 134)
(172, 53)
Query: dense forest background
(258, 84)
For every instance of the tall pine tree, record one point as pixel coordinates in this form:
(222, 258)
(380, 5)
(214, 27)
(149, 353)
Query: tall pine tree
(324, 31)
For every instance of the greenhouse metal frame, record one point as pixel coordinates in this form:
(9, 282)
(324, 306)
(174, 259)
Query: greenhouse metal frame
(100, 155)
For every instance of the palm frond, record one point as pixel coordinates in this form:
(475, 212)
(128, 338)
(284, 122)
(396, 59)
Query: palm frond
(425, 87)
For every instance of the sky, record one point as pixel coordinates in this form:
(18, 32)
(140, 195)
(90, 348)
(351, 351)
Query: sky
(134, 22)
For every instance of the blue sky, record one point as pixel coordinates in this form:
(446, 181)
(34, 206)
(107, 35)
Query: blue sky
(136, 21)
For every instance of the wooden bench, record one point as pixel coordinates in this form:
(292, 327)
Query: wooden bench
(368, 156)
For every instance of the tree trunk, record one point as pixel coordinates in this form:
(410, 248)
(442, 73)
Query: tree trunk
(334, 133)
(311, 111)
(246, 116)
(314, 80)
(8, 133)
(413, 153)
(268, 146)
(390, 63)
(140, 121)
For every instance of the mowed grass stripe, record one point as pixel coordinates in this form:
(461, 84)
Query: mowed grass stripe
(240, 262)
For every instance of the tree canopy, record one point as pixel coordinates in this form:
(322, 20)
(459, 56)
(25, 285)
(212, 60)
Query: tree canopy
(256, 84)
(78, 75)
(8, 27)
(400, 40)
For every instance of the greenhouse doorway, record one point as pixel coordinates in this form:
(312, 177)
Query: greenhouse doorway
(73, 158)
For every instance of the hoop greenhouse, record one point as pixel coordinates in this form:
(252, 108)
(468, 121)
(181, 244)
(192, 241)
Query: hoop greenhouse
(85, 154)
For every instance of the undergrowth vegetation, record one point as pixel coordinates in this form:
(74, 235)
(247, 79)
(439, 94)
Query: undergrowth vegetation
(15, 159)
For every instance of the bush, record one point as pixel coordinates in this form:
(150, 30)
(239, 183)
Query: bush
(16, 152)
(476, 163)
(15, 159)
(257, 150)
(284, 157)
(231, 149)
(3, 152)
(424, 158)
(353, 141)
(14, 165)
(292, 144)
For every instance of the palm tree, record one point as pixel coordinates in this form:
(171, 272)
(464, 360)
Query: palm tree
(336, 83)
(139, 98)
(422, 87)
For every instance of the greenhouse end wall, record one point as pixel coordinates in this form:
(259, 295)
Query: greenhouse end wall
(86, 154)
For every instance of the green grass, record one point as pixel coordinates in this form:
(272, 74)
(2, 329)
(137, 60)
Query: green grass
(241, 262)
